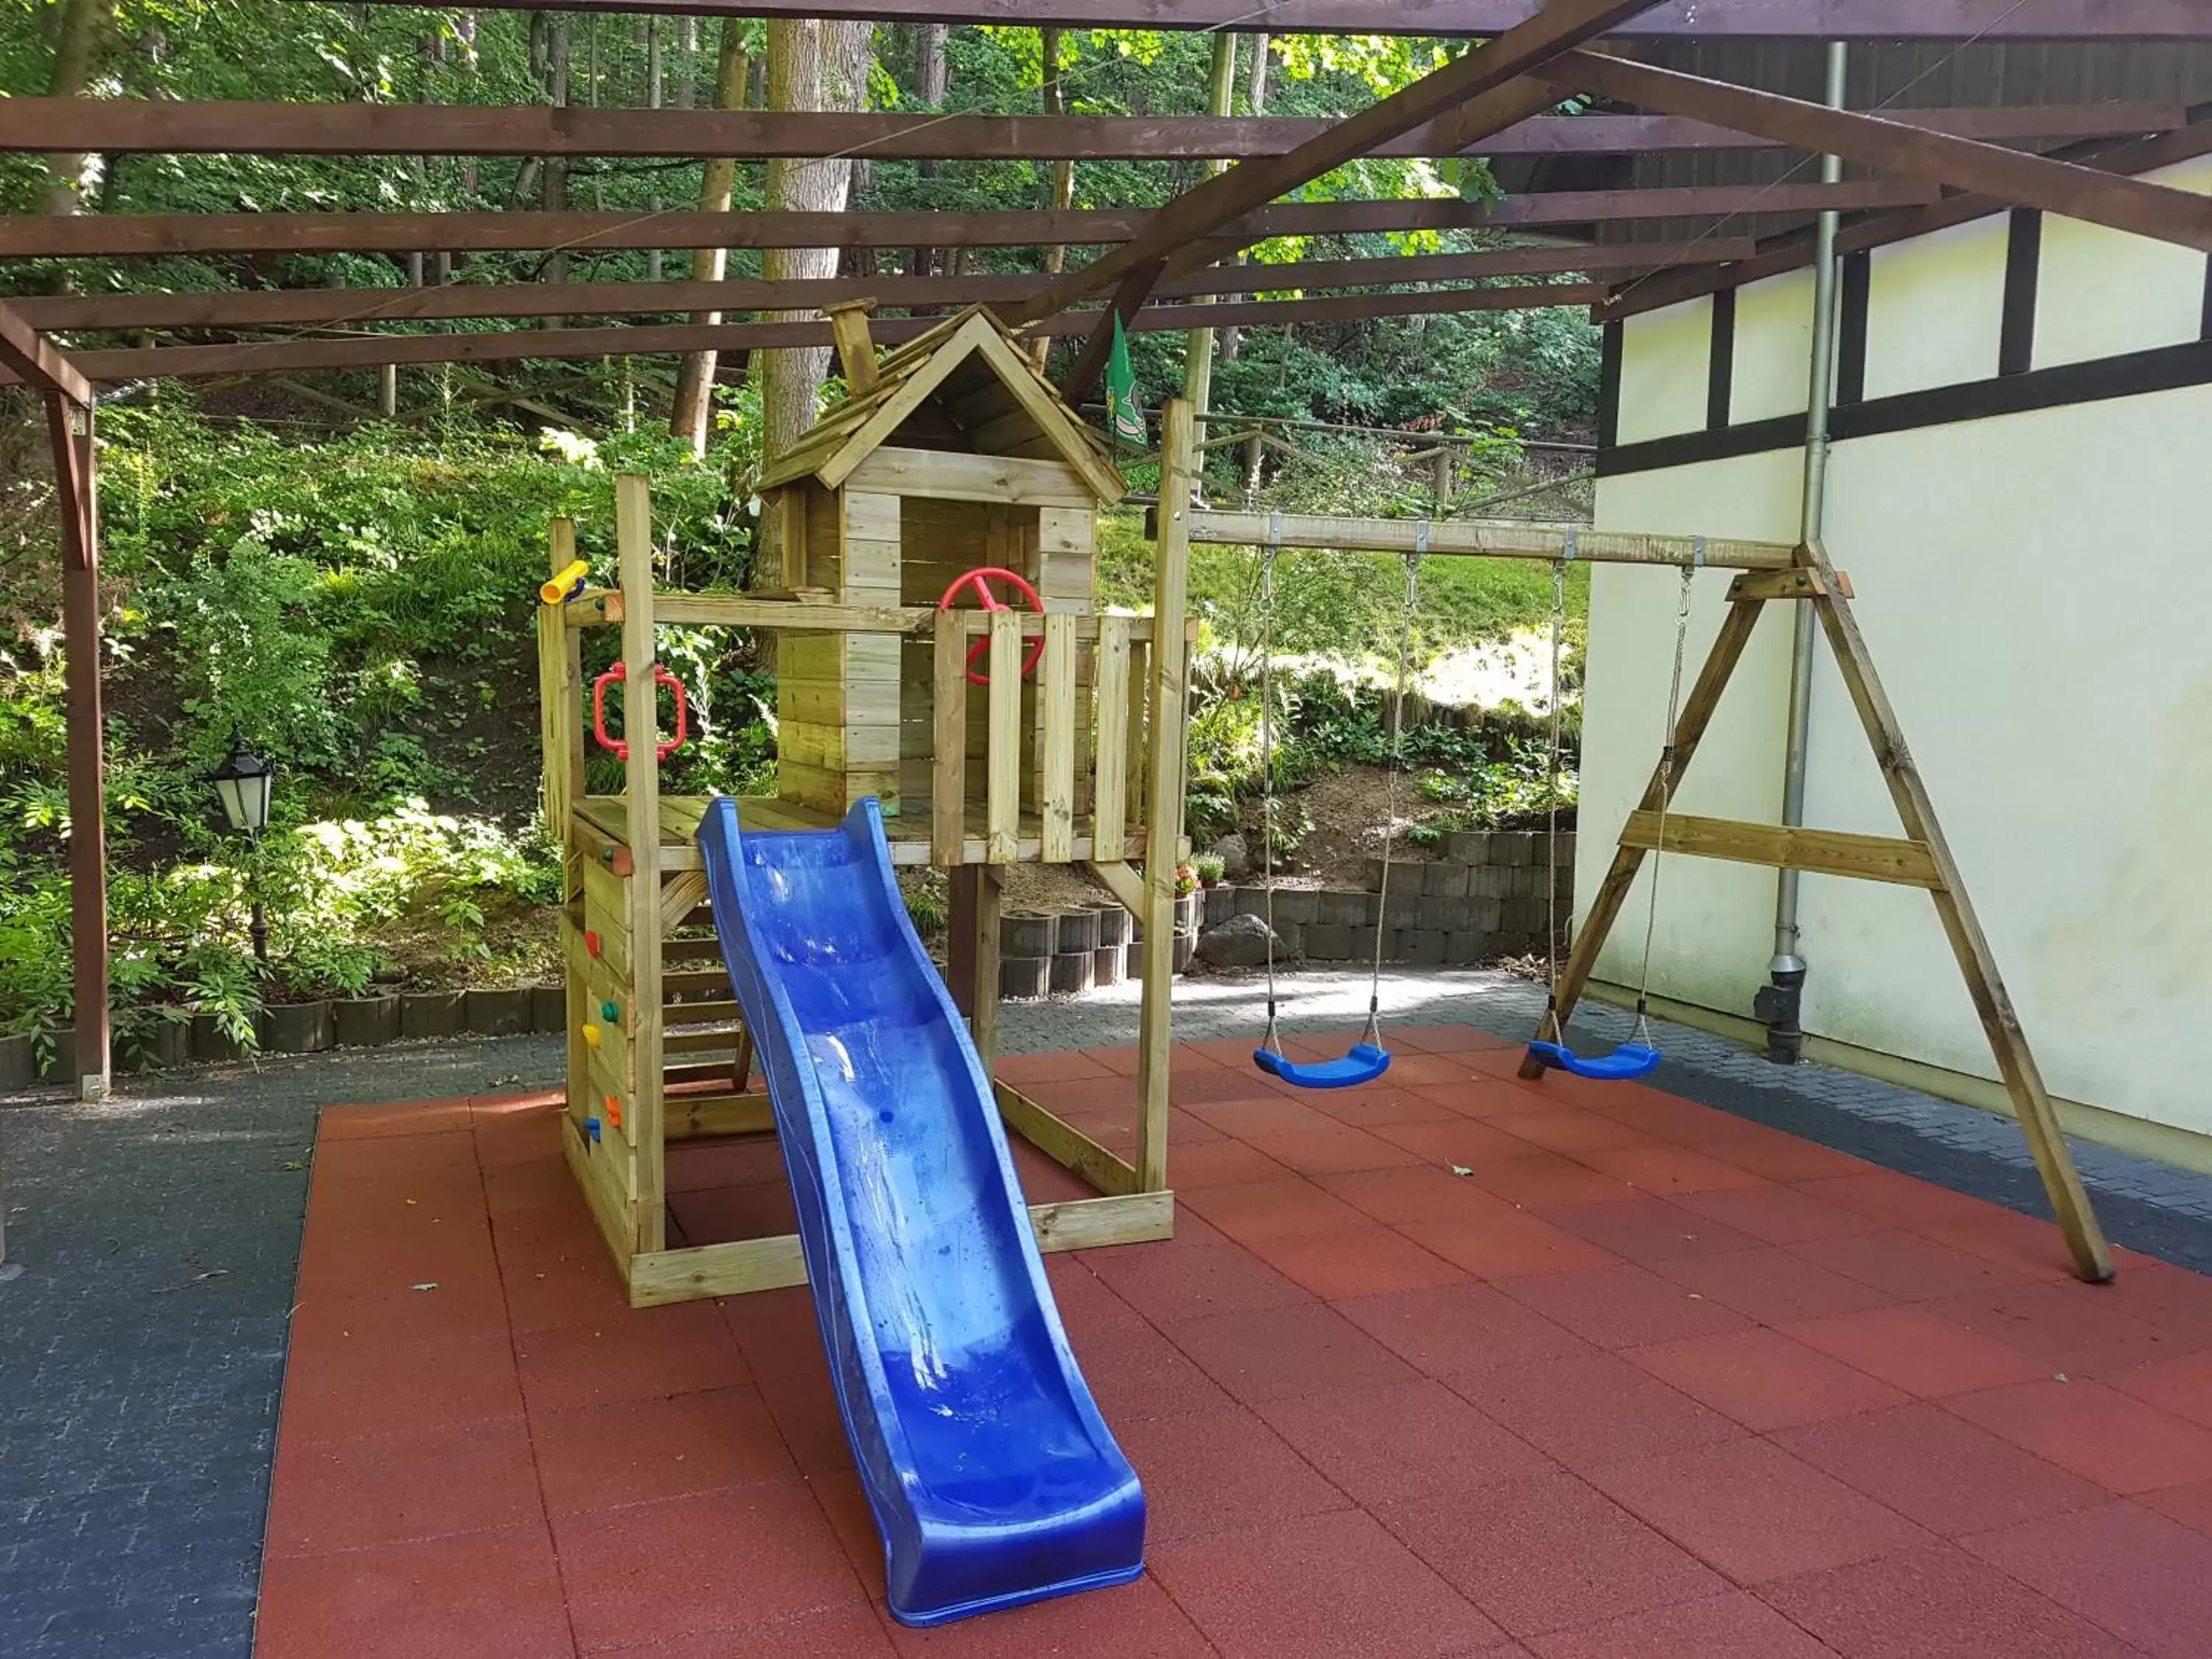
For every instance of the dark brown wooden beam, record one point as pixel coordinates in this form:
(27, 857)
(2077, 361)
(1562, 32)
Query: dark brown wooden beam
(279, 307)
(508, 346)
(1793, 250)
(1803, 19)
(127, 126)
(2008, 176)
(1476, 77)
(37, 363)
(147, 236)
(76, 506)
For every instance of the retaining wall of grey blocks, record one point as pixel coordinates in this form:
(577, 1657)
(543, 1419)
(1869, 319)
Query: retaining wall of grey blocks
(1483, 897)
(1067, 952)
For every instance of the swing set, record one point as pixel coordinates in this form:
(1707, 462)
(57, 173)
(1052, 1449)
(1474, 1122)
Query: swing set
(1768, 574)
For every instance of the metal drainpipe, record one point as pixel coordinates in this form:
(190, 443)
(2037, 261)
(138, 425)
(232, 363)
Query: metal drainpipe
(1778, 1004)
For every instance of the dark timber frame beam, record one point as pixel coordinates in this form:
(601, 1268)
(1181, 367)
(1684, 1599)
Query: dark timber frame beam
(132, 126)
(323, 307)
(70, 430)
(150, 235)
(1804, 20)
(2114, 201)
(508, 345)
(1488, 76)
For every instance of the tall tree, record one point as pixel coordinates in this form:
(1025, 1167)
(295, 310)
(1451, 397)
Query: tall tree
(694, 381)
(811, 65)
(556, 166)
(78, 29)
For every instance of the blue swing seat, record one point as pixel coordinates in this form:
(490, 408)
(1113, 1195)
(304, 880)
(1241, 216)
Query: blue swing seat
(1629, 1061)
(1366, 1062)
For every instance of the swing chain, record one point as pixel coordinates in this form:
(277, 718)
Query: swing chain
(1642, 1032)
(1268, 1040)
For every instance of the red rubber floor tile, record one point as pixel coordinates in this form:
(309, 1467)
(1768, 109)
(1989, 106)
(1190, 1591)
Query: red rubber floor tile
(2190, 1505)
(1764, 1380)
(1453, 1039)
(1907, 1267)
(1731, 1626)
(1368, 1260)
(1593, 1409)
(1569, 1129)
(1669, 1169)
(1539, 1181)
(477, 1595)
(1506, 1244)
(1171, 1282)
(1131, 1622)
(1215, 1471)
(1218, 1164)
(569, 1284)
(1326, 1587)
(724, 1161)
(683, 1349)
(1260, 1112)
(1372, 1108)
(1328, 1151)
(1491, 1097)
(1413, 1440)
(1135, 1372)
(1461, 1141)
(393, 1488)
(1546, 1552)
(2069, 1326)
(1937, 1603)
(1779, 1157)
(345, 1387)
(403, 1117)
(2144, 1577)
(2097, 1432)
(1253, 1210)
(848, 1633)
(1055, 1065)
(1778, 1215)
(1648, 1229)
(1464, 1329)
(1622, 1306)
(1940, 1470)
(2173, 1299)
(670, 1448)
(1413, 1193)
(723, 1560)
(1773, 1285)
(1919, 1351)
(1757, 1514)
(1277, 1353)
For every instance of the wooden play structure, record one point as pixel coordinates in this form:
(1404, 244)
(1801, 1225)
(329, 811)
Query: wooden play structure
(949, 455)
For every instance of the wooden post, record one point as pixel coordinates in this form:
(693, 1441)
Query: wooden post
(948, 768)
(641, 730)
(1002, 759)
(1056, 741)
(971, 964)
(856, 349)
(1165, 790)
(559, 689)
(1110, 794)
(1993, 1007)
(76, 504)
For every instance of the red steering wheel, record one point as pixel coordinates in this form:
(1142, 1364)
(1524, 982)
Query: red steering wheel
(976, 578)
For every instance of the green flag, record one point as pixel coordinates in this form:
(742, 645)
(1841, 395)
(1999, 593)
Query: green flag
(1124, 419)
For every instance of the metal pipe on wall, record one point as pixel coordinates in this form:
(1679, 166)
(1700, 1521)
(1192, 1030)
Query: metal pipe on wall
(1778, 1003)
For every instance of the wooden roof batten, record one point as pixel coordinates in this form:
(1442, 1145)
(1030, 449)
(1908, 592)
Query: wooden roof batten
(928, 372)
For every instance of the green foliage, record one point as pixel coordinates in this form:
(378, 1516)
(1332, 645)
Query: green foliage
(1209, 868)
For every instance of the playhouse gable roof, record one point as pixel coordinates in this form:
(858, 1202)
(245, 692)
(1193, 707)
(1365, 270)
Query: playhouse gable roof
(964, 385)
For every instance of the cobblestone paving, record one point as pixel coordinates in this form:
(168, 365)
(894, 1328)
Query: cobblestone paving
(142, 1347)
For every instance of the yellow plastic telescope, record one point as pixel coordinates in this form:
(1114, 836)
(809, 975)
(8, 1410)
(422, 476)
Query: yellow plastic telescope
(566, 586)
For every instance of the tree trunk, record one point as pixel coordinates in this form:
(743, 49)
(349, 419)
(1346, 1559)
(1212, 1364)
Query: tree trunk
(556, 166)
(695, 380)
(1063, 169)
(1198, 345)
(76, 42)
(655, 78)
(929, 85)
(811, 65)
(1256, 99)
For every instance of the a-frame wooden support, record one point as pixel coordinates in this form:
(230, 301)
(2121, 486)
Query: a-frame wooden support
(1922, 859)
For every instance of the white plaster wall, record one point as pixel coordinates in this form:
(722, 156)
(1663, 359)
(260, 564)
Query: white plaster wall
(1773, 322)
(1664, 372)
(1936, 308)
(2034, 589)
(2080, 314)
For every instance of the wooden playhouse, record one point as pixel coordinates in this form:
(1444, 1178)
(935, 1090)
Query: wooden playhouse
(990, 736)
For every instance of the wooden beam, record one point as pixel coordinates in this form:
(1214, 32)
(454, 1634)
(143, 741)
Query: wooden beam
(1824, 852)
(77, 500)
(1499, 538)
(2011, 176)
(1993, 1005)
(1205, 210)
(132, 126)
(2176, 21)
(36, 362)
(508, 346)
(1796, 583)
(642, 817)
(152, 235)
(1064, 1143)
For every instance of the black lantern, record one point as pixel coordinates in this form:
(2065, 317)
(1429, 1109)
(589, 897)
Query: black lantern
(242, 783)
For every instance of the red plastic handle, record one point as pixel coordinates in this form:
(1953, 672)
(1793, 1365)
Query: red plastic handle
(619, 748)
(976, 578)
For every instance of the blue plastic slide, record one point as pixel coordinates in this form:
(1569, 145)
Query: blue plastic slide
(993, 1479)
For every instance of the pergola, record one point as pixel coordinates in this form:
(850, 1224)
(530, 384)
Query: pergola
(1165, 269)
